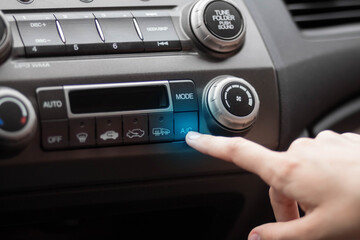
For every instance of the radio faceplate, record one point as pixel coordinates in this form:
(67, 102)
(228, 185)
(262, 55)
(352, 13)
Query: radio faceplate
(117, 113)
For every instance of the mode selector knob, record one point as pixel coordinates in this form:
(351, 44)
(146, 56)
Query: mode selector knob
(233, 102)
(218, 24)
(17, 119)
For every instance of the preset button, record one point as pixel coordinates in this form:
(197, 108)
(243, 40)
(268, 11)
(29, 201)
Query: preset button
(40, 35)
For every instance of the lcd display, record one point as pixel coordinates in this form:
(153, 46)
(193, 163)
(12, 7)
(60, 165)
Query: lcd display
(118, 99)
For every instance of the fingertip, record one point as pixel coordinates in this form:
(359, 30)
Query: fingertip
(192, 138)
(254, 236)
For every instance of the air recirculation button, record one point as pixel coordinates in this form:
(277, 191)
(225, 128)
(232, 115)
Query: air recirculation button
(219, 25)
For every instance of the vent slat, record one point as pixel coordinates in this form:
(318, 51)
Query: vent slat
(324, 13)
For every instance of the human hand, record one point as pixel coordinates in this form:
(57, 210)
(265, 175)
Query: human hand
(322, 175)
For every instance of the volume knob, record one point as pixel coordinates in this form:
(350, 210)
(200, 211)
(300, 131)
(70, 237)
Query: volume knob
(5, 39)
(233, 102)
(218, 25)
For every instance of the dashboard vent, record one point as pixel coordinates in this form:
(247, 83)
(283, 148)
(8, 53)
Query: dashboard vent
(324, 13)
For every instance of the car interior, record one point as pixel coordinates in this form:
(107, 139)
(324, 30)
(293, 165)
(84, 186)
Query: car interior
(97, 96)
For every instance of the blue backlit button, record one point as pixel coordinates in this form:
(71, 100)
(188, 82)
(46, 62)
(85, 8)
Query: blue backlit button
(161, 127)
(136, 129)
(184, 95)
(55, 134)
(108, 130)
(82, 132)
(184, 123)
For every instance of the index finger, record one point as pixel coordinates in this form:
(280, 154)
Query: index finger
(244, 153)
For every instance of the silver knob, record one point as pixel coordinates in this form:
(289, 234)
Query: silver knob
(17, 118)
(219, 25)
(5, 38)
(233, 102)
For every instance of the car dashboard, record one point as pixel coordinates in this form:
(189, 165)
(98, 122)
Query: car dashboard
(96, 98)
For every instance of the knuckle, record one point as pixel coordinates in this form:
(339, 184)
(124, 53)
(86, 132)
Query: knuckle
(232, 148)
(300, 143)
(282, 175)
(326, 134)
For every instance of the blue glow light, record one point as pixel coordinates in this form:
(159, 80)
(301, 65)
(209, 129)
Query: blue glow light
(1, 122)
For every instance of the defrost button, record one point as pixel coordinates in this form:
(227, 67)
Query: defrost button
(82, 132)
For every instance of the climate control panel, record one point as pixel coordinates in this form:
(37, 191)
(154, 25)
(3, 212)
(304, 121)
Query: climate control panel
(74, 116)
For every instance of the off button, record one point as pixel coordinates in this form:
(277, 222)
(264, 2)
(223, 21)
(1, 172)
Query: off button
(184, 96)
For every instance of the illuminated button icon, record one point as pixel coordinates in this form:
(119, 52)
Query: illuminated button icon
(184, 123)
(1, 122)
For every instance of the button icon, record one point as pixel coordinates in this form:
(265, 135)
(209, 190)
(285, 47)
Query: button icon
(76, 47)
(82, 137)
(157, 132)
(135, 133)
(109, 135)
(54, 139)
(186, 130)
(115, 46)
(34, 49)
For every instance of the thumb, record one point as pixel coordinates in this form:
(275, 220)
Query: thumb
(303, 228)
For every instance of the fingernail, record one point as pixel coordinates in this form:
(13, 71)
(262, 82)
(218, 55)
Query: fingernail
(254, 236)
(193, 135)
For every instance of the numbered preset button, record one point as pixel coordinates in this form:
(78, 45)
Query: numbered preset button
(119, 32)
(40, 35)
(81, 33)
